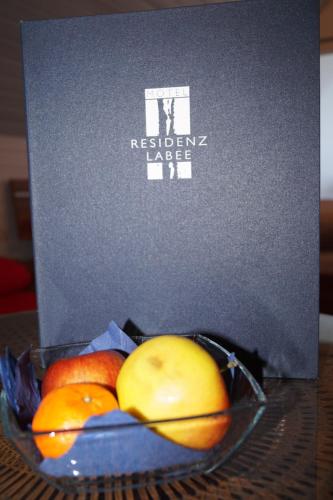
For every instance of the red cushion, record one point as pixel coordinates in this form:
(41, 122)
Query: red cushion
(18, 301)
(14, 276)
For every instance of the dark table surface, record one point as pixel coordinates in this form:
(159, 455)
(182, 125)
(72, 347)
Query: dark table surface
(289, 454)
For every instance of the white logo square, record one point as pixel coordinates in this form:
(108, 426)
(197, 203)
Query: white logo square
(154, 171)
(184, 170)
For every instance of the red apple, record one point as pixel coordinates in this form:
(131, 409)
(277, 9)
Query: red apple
(99, 367)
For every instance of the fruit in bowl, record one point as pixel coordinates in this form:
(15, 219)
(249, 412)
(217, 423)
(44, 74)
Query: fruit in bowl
(65, 408)
(168, 377)
(171, 377)
(100, 367)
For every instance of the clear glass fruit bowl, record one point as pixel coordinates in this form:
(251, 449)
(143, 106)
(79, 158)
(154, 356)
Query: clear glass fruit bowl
(129, 454)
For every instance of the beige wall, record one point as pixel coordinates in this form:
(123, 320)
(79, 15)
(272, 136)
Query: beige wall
(326, 26)
(13, 165)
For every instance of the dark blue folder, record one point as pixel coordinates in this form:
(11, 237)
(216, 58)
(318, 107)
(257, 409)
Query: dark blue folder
(174, 170)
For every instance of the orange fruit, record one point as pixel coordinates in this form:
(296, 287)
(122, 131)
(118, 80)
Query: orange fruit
(170, 377)
(66, 408)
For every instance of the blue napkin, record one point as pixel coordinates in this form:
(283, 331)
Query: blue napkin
(113, 338)
(20, 384)
(122, 451)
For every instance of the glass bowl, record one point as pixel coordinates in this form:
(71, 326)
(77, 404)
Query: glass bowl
(127, 441)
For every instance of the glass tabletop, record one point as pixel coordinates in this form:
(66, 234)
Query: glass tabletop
(289, 454)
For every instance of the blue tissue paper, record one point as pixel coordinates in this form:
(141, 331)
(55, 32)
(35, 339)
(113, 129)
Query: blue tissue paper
(20, 384)
(133, 448)
(113, 338)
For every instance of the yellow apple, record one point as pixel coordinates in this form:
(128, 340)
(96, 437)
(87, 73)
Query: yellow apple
(168, 377)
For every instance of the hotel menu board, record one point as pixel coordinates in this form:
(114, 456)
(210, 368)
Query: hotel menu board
(174, 175)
